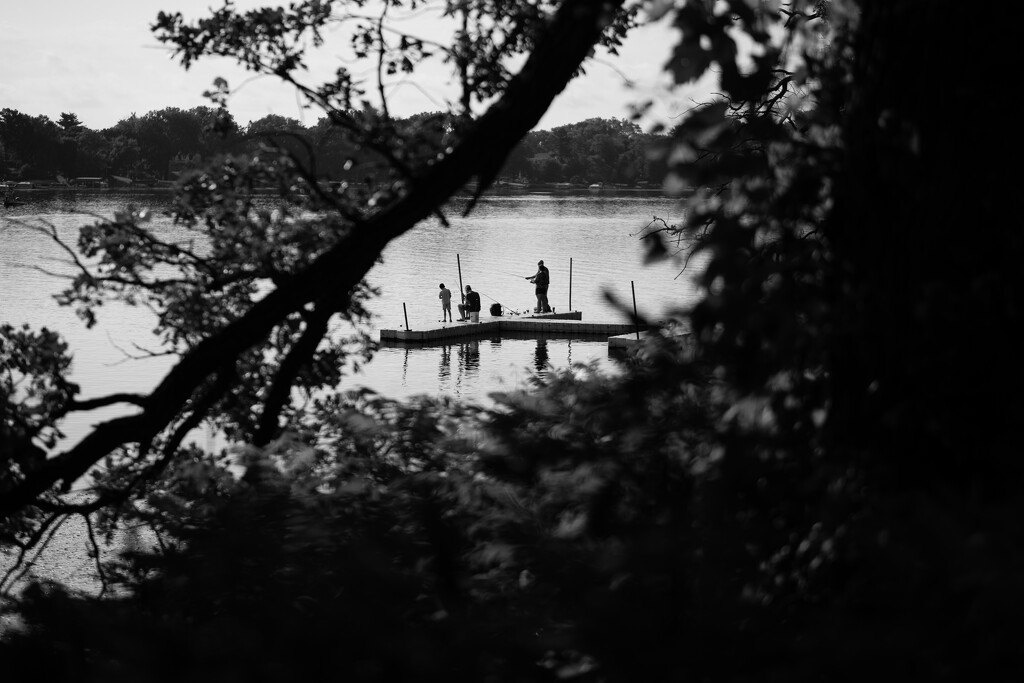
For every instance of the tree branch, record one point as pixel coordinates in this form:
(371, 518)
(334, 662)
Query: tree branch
(21, 566)
(195, 418)
(102, 402)
(300, 353)
(573, 31)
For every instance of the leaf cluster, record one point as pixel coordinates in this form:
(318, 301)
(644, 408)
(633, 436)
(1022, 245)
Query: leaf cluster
(798, 496)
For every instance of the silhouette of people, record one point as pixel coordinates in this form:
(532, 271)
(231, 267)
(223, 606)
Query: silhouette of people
(472, 304)
(446, 304)
(541, 279)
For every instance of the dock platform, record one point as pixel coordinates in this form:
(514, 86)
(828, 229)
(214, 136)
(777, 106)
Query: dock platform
(625, 343)
(552, 325)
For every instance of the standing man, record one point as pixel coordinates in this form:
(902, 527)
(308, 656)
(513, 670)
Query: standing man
(541, 279)
(446, 304)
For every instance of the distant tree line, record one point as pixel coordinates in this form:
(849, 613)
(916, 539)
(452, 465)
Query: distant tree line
(610, 151)
(35, 147)
(160, 144)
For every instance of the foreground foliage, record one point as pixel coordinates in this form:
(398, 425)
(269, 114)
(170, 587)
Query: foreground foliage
(827, 489)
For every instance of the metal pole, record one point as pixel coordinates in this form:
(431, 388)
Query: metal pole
(406, 316)
(462, 290)
(570, 284)
(636, 318)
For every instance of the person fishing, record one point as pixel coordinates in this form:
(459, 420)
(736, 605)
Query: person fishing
(471, 306)
(446, 303)
(541, 279)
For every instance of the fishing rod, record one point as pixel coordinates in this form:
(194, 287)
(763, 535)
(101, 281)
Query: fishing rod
(499, 303)
(458, 260)
(505, 272)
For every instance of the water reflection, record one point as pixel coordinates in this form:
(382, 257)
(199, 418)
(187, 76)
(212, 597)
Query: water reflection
(540, 356)
(453, 378)
(471, 369)
(469, 358)
(444, 370)
(405, 367)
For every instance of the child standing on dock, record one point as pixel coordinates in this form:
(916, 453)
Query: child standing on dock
(446, 304)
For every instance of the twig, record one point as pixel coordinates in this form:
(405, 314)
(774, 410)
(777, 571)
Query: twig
(48, 528)
(96, 553)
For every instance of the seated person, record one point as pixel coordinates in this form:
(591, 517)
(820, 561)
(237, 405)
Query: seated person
(471, 305)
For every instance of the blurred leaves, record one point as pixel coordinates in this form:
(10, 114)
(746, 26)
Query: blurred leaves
(784, 493)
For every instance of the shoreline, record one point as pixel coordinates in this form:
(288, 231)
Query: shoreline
(541, 189)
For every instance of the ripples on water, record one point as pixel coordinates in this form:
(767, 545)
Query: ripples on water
(497, 246)
(472, 369)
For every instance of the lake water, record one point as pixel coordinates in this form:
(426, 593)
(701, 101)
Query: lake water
(497, 246)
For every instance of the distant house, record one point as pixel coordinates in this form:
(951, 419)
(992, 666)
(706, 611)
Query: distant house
(182, 163)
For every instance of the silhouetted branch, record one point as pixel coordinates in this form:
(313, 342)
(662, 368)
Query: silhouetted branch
(298, 356)
(95, 554)
(573, 31)
(103, 402)
(17, 571)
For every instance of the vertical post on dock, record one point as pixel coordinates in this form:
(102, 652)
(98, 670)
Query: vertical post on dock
(406, 316)
(636, 318)
(462, 290)
(570, 284)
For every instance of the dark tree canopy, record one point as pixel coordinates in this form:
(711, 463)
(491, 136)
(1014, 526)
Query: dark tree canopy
(824, 485)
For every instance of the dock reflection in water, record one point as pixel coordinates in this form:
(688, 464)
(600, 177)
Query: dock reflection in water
(540, 356)
(472, 369)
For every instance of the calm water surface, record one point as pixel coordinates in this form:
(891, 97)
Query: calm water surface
(497, 246)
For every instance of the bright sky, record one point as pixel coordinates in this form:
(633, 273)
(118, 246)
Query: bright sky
(101, 62)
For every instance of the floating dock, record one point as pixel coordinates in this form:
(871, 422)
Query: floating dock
(624, 343)
(551, 325)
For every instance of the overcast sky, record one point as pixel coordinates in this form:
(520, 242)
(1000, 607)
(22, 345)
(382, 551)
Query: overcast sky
(101, 62)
